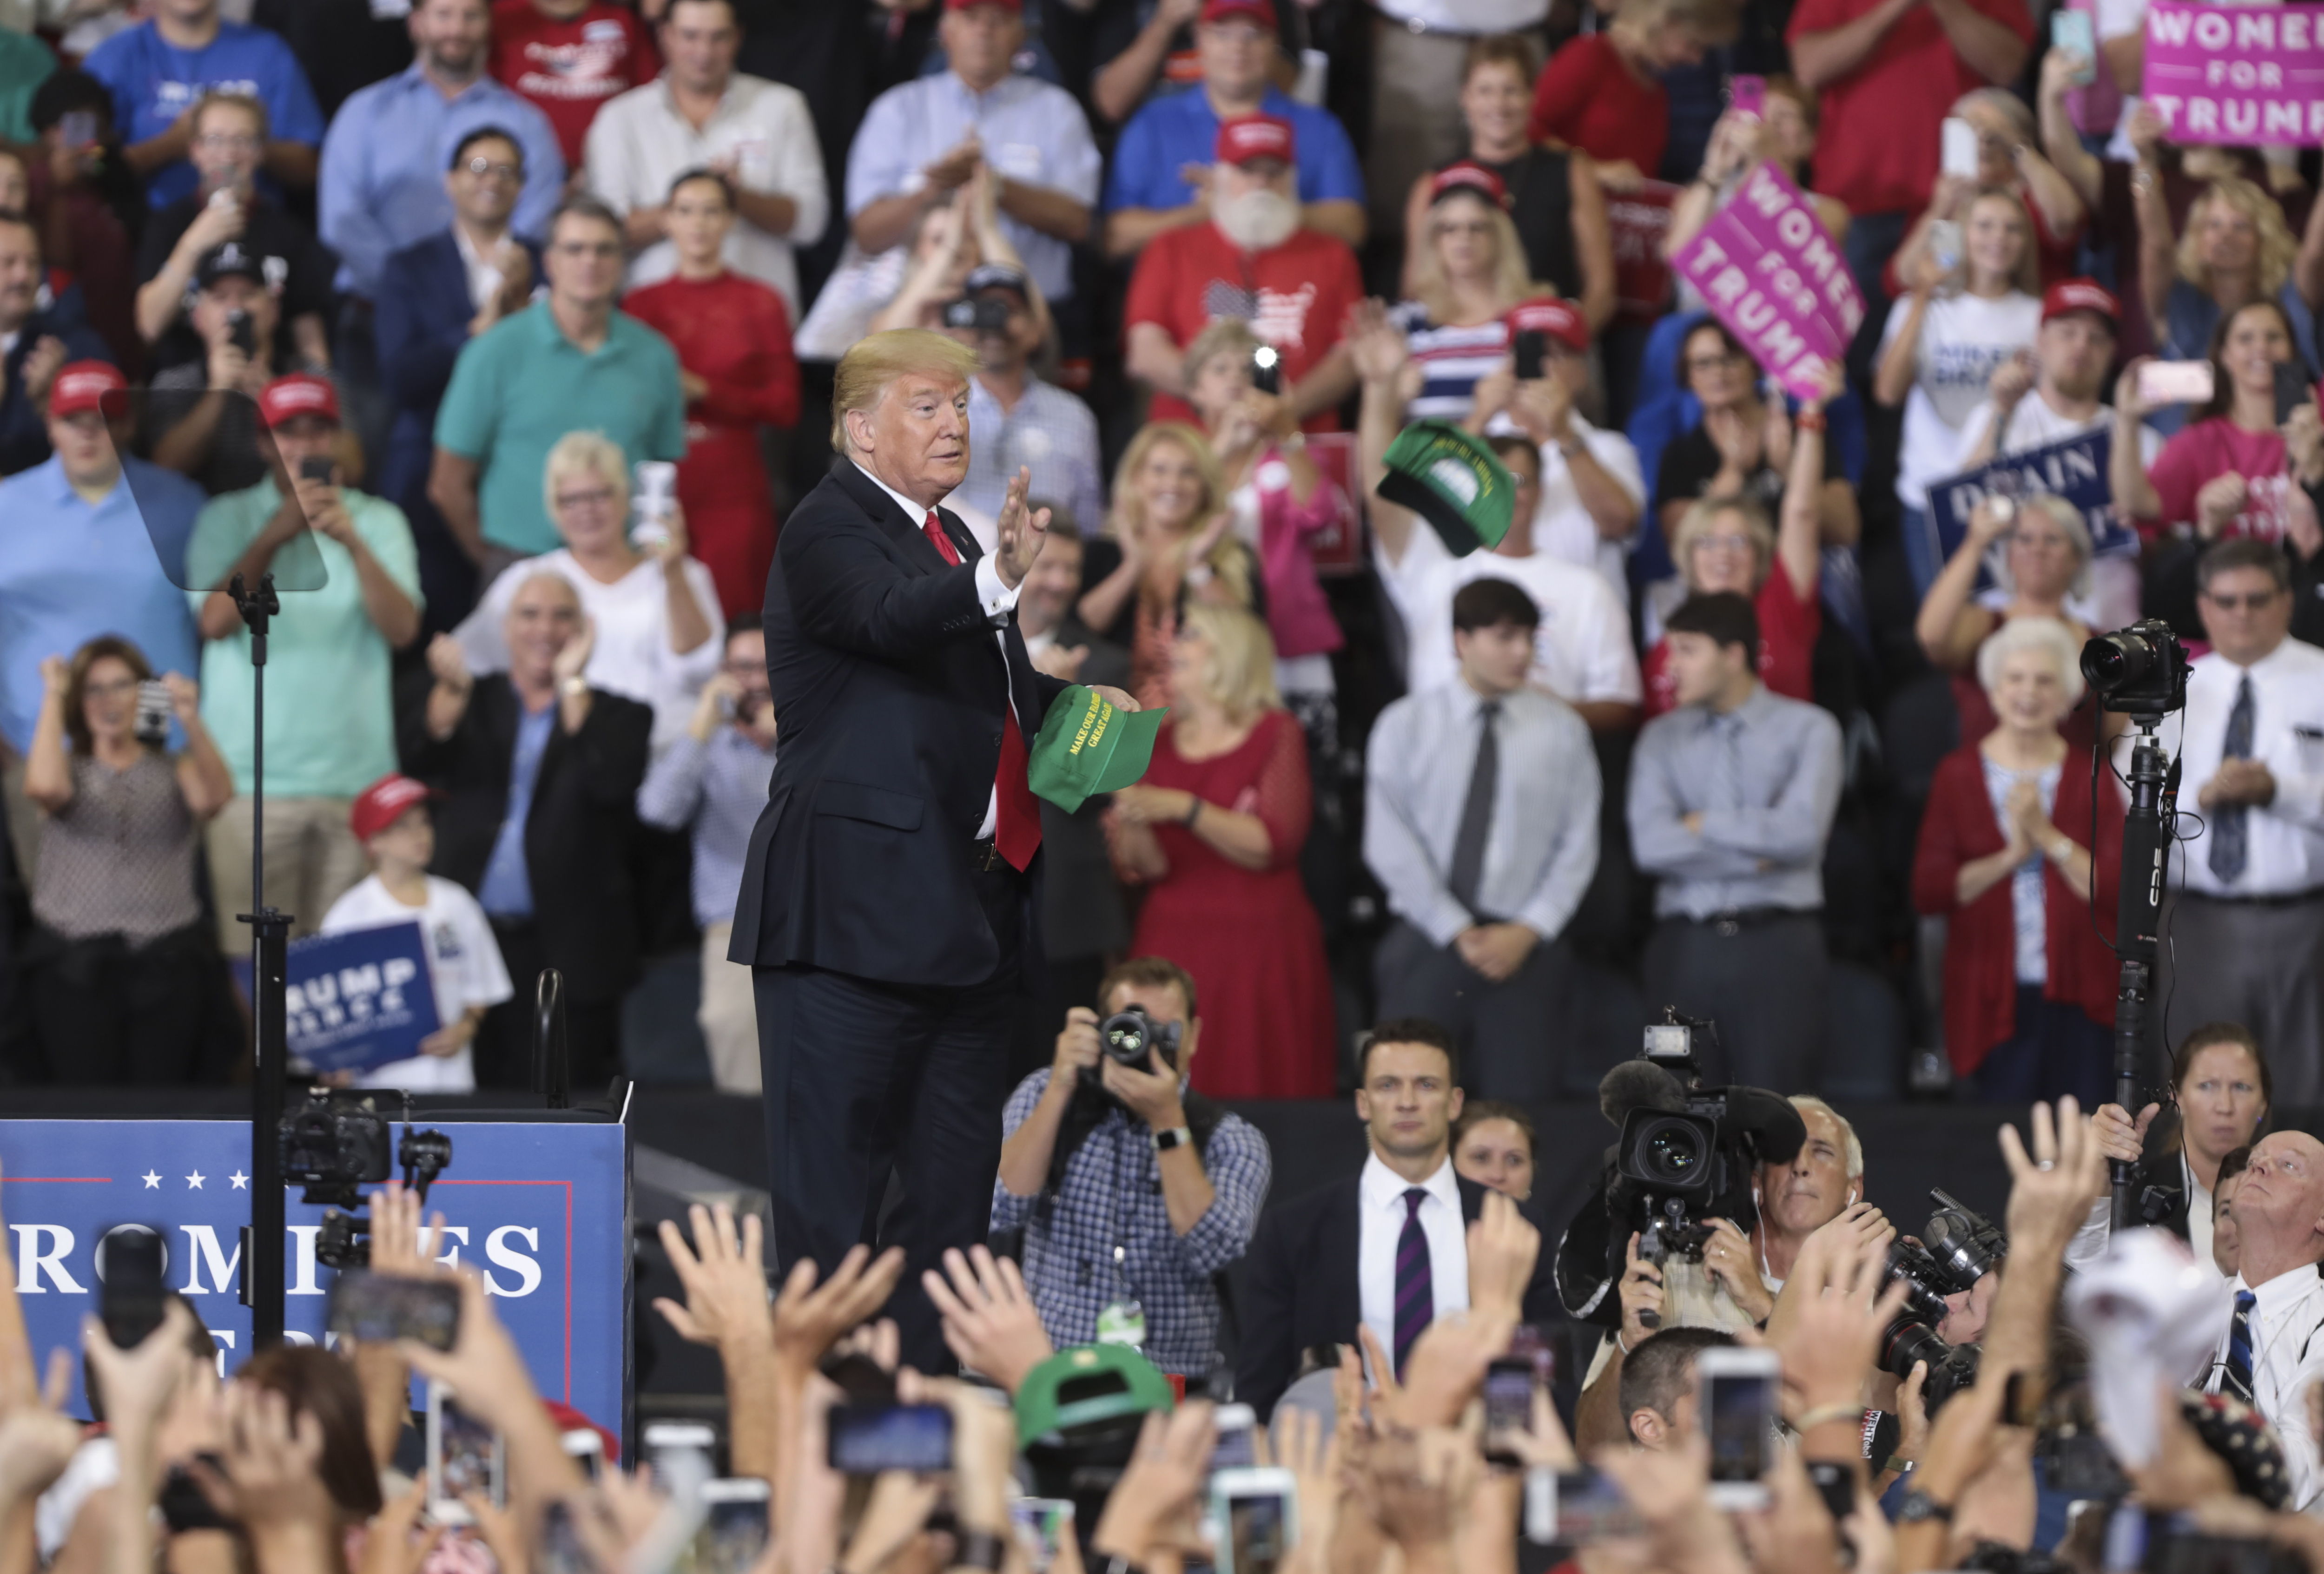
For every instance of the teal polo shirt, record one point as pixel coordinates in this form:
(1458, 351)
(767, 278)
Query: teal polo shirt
(331, 705)
(522, 386)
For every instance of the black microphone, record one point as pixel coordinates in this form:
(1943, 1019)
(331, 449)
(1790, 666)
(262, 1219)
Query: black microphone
(1638, 1085)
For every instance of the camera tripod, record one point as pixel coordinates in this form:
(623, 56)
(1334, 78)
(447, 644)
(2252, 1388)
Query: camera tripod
(2146, 836)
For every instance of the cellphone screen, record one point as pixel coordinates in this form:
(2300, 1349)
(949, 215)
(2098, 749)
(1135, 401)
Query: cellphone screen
(1509, 1397)
(733, 1537)
(867, 1439)
(1736, 1407)
(468, 1456)
(1529, 351)
(1591, 1507)
(1234, 1450)
(1042, 1525)
(2073, 32)
(379, 1308)
(1255, 1525)
(2293, 389)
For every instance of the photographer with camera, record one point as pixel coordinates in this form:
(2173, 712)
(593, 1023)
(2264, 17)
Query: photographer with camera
(1133, 1192)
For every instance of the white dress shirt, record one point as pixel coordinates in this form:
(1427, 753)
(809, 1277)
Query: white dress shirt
(998, 600)
(1562, 527)
(1380, 1214)
(2286, 837)
(1581, 653)
(2287, 1339)
(639, 143)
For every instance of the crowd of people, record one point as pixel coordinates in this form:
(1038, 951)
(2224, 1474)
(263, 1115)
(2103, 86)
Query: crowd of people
(502, 335)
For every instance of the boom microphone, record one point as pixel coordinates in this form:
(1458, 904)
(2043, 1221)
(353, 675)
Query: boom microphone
(1638, 1085)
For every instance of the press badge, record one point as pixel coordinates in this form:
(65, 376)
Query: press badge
(1123, 1323)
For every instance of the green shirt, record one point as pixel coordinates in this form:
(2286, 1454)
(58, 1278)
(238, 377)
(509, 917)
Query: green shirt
(25, 63)
(330, 721)
(524, 385)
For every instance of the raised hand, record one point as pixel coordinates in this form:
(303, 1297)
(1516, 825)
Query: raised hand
(1022, 531)
(2051, 1189)
(990, 1322)
(724, 1276)
(1503, 1248)
(810, 1317)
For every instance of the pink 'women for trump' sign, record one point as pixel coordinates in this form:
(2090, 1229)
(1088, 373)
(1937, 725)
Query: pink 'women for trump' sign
(2243, 74)
(1770, 272)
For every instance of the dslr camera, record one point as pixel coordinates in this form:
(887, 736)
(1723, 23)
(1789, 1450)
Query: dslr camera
(2138, 671)
(978, 314)
(1129, 1036)
(1963, 1246)
(337, 1143)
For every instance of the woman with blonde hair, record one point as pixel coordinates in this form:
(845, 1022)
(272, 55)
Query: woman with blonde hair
(1602, 93)
(1171, 547)
(1960, 320)
(1465, 276)
(2236, 250)
(653, 613)
(1213, 833)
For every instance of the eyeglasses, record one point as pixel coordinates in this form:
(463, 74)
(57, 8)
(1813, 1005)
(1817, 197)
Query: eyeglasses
(228, 142)
(1710, 362)
(1723, 543)
(2250, 601)
(485, 168)
(106, 691)
(583, 249)
(603, 497)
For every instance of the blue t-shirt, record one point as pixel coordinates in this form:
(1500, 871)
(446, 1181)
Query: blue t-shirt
(1180, 128)
(153, 83)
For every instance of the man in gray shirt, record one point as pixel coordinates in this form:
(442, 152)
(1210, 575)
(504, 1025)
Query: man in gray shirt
(1731, 800)
(1480, 821)
(714, 779)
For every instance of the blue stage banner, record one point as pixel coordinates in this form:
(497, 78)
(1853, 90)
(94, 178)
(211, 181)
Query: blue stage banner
(356, 1000)
(541, 1209)
(2074, 469)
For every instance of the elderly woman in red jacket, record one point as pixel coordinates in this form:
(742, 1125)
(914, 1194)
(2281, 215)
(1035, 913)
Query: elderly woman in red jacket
(2005, 853)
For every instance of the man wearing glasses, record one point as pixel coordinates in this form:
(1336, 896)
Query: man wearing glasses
(434, 297)
(570, 363)
(228, 142)
(2245, 925)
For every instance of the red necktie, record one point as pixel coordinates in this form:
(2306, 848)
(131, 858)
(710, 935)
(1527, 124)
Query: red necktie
(1017, 828)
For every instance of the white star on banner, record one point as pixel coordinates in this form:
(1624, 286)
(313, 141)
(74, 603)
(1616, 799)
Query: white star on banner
(194, 1180)
(153, 1181)
(239, 1180)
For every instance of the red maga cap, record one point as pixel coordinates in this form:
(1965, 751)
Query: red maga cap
(382, 803)
(2080, 295)
(1260, 10)
(1254, 136)
(1561, 319)
(82, 386)
(1468, 175)
(299, 393)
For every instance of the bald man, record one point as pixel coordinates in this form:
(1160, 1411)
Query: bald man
(539, 771)
(2272, 1348)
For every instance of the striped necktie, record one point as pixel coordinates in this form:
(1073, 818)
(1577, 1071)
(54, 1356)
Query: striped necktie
(2235, 1377)
(1415, 1287)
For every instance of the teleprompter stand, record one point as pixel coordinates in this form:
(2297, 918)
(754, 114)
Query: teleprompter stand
(263, 1267)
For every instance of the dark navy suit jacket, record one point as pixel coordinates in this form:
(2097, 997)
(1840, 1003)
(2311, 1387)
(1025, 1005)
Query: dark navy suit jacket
(420, 321)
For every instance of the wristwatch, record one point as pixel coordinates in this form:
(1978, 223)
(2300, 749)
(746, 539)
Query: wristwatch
(574, 687)
(1918, 1507)
(1165, 1140)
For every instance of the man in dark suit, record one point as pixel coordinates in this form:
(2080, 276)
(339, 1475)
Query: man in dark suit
(1084, 918)
(886, 905)
(434, 297)
(1386, 1248)
(540, 774)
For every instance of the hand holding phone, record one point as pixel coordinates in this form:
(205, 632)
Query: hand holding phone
(2075, 32)
(464, 1455)
(2163, 382)
(1254, 1518)
(1747, 94)
(1960, 156)
(381, 1308)
(1738, 1390)
(868, 1438)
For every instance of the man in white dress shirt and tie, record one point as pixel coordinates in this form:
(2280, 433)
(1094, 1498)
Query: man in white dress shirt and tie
(2246, 928)
(2272, 1350)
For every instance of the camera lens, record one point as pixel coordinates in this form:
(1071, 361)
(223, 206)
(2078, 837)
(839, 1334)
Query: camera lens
(1126, 1036)
(1672, 1152)
(2109, 661)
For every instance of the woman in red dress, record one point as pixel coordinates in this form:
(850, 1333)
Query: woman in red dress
(1213, 833)
(733, 344)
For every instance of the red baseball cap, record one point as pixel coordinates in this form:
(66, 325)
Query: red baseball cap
(1468, 175)
(382, 803)
(1561, 319)
(298, 393)
(1254, 136)
(2081, 295)
(82, 386)
(1260, 10)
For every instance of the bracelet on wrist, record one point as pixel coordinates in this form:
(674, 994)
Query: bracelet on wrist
(1810, 421)
(980, 1549)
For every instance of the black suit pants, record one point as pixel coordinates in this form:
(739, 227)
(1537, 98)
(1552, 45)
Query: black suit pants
(867, 1079)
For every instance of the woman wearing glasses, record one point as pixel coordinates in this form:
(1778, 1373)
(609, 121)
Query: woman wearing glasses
(654, 612)
(120, 963)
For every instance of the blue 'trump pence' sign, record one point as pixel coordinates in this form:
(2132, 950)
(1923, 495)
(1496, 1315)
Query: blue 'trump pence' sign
(357, 998)
(542, 1209)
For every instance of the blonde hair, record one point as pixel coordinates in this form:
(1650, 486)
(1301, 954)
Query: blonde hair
(2069, 519)
(2046, 634)
(1512, 282)
(2277, 249)
(1241, 675)
(1703, 513)
(586, 453)
(1222, 335)
(872, 364)
(216, 97)
(2026, 278)
(1127, 518)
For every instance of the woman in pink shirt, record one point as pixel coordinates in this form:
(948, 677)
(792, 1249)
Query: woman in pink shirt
(2224, 474)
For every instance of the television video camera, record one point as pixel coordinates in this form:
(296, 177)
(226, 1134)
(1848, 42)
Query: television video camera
(337, 1143)
(1687, 1151)
(1963, 1246)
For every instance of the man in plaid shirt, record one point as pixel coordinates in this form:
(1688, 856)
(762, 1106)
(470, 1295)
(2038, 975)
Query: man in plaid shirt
(1133, 1192)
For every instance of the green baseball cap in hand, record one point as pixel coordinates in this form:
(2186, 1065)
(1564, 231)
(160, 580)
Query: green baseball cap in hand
(1454, 480)
(1088, 745)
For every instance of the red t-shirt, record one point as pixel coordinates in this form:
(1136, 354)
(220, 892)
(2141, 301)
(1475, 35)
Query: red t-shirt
(1295, 298)
(569, 69)
(1878, 146)
(1788, 627)
(2218, 447)
(1588, 99)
